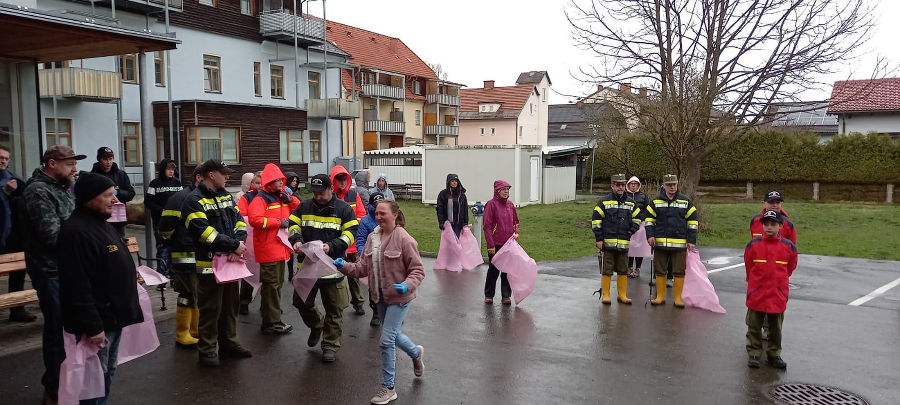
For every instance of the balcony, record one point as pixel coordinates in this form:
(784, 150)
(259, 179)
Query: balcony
(383, 91)
(444, 99)
(390, 127)
(85, 84)
(141, 6)
(278, 25)
(442, 130)
(336, 108)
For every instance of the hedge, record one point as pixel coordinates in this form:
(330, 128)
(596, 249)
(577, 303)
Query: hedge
(768, 156)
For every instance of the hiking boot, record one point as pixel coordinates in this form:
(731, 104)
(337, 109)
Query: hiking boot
(384, 396)
(753, 362)
(19, 314)
(278, 328)
(328, 356)
(209, 359)
(238, 352)
(777, 362)
(314, 336)
(376, 321)
(359, 309)
(244, 309)
(419, 362)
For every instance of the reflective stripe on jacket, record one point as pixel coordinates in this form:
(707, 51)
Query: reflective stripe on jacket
(614, 220)
(673, 222)
(266, 212)
(334, 224)
(213, 221)
(769, 262)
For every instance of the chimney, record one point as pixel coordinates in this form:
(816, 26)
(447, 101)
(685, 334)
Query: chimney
(488, 84)
(643, 92)
(625, 88)
(599, 87)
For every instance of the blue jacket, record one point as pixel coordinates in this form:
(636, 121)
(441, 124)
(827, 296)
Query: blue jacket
(366, 225)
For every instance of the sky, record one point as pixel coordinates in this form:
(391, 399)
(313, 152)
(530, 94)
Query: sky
(478, 40)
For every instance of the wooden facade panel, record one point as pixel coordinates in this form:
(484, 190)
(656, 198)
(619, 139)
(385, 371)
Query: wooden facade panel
(225, 18)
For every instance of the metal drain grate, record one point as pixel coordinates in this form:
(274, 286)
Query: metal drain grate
(811, 394)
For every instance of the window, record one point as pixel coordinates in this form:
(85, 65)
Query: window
(159, 64)
(417, 87)
(212, 79)
(484, 108)
(521, 131)
(58, 65)
(531, 108)
(291, 145)
(204, 143)
(129, 68)
(61, 135)
(131, 143)
(277, 73)
(208, 2)
(482, 131)
(257, 83)
(418, 117)
(248, 7)
(315, 146)
(544, 95)
(160, 144)
(492, 131)
(314, 85)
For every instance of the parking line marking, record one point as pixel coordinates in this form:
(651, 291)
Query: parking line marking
(874, 294)
(725, 268)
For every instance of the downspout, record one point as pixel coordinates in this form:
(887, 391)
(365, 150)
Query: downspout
(146, 158)
(323, 143)
(168, 83)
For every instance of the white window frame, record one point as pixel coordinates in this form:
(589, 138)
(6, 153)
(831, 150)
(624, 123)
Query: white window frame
(418, 118)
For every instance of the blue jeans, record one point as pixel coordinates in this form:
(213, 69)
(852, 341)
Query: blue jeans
(54, 353)
(109, 356)
(392, 316)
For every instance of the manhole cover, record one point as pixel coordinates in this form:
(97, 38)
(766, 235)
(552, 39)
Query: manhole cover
(811, 394)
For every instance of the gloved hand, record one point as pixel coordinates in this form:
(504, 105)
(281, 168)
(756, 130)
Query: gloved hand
(402, 288)
(288, 190)
(339, 263)
(116, 191)
(285, 223)
(286, 197)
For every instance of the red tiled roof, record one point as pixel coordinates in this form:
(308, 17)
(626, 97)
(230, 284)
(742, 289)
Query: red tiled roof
(374, 50)
(510, 98)
(865, 95)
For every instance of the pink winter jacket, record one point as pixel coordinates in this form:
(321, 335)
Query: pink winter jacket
(399, 262)
(500, 218)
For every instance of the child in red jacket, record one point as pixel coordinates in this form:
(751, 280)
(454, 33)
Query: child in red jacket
(770, 260)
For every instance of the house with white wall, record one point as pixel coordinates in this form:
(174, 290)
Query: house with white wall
(864, 106)
(507, 115)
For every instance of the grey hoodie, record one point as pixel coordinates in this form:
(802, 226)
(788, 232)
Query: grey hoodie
(388, 194)
(362, 186)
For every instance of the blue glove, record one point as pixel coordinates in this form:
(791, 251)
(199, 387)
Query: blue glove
(339, 263)
(287, 190)
(116, 191)
(402, 288)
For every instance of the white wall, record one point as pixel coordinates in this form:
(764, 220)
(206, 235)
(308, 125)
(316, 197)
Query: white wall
(559, 184)
(865, 123)
(478, 167)
(396, 174)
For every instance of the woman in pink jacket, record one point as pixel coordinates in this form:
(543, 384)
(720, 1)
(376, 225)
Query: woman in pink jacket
(500, 224)
(391, 261)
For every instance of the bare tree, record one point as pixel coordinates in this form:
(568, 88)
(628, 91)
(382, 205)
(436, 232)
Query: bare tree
(438, 70)
(715, 65)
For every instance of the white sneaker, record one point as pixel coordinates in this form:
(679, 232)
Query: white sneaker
(384, 396)
(419, 362)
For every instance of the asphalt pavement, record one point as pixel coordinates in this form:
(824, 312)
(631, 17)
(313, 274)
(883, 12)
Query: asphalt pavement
(560, 345)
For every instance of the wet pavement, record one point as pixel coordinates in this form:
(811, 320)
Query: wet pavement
(559, 346)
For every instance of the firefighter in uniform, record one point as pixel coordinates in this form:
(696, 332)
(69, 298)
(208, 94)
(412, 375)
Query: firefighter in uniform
(328, 219)
(213, 221)
(671, 224)
(175, 236)
(340, 185)
(614, 220)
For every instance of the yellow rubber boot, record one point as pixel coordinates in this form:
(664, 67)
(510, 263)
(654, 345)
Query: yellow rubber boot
(676, 295)
(660, 291)
(195, 322)
(621, 288)
(605, 285)
(182, 327)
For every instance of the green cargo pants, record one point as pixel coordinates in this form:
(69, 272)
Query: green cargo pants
(754, 333)
(663, 259)
(334, 299)
(271, 276)
(185, 284)
(218, 304)
(614, 261)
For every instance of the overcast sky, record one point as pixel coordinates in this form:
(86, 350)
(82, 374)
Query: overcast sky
(477, 40)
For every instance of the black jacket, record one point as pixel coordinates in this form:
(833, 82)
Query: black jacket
(460, 204)
(672, 222)
(160, 190)
(126, 191)
(171, 225)
(310, 222)
(215, 224)
(614, 220)
(640, 200)
(97, 277)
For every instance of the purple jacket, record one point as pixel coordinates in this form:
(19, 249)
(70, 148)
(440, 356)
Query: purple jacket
(500, 219)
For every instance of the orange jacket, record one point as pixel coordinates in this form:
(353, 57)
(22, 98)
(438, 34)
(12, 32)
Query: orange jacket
(265, 213)
(349, 196)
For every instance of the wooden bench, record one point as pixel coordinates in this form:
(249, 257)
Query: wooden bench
(11, 262)
(408, 191)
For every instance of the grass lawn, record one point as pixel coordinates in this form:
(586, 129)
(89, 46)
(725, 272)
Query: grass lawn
(562, 231)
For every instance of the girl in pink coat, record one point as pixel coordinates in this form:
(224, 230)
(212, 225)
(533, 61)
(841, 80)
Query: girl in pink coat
(500, 223)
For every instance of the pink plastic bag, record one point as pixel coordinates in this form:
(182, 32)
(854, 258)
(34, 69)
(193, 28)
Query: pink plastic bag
(139, 339)
(469, 250)
(80, 375)
(698, 291)
(283, 237)
(317, 264)
(520, 269)
(639, 246)
(119, 213)
(250, 256)
(150, 276)
(449, 251)
(227, 271)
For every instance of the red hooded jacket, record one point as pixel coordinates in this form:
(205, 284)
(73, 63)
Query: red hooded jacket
(348, 195)
(769, 261)
(265, 213)
(787, 227)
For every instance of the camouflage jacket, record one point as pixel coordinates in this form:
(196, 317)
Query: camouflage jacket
(47, 203)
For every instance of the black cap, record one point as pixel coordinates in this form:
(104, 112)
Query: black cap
(375, 197)
(60, 152)
(90, 185)
(214, 165)
(773, 195)
(104, 152)
(319, 183)
(771, 215)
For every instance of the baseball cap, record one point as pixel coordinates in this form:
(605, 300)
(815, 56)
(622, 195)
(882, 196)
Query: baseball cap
(104, 152)
(319, 183)
(773, 195)
(60, 152)
(771, 215)
(375, 198)
(214, 165)
(670, 178)
(617, 178)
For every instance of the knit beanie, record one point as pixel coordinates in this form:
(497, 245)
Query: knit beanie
(90, 185)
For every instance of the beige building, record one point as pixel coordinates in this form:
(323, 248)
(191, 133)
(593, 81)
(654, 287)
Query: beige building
(510, 115)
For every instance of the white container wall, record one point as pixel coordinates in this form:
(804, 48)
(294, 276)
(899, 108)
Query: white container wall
(559, 184)
(396, 174)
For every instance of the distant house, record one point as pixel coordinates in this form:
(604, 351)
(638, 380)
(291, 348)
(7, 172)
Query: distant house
(509, 115)
(867, 106)
(804, 116)
(624, 100)
(577, 124)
